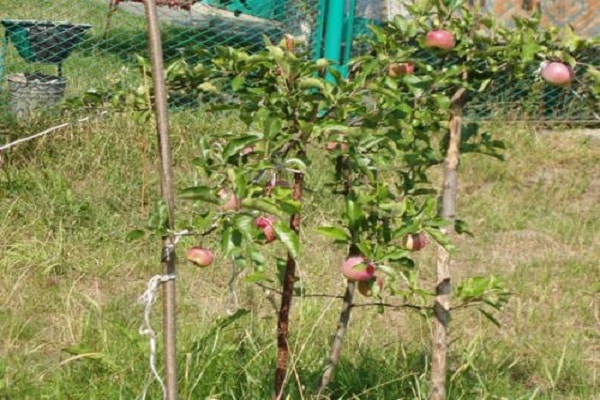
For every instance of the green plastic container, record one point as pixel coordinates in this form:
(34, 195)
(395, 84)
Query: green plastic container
(267, 9)
(48, 42)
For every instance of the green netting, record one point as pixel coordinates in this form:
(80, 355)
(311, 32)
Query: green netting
(93, 43)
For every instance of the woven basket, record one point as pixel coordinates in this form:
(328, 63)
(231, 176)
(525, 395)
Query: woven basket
(34, 92)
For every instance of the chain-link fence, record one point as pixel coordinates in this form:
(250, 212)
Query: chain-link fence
(78, 45)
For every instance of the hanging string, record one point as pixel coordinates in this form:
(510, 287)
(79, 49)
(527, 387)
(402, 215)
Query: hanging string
(147, 299)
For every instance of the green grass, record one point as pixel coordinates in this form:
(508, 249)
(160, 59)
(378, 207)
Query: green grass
(69, 280)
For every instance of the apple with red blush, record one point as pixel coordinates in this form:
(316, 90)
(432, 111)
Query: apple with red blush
(557, 73)
(415, 241)
(265, 223)
(200, 256)
(229, 201)
(371, 287)
(357, 268)
(440, 39)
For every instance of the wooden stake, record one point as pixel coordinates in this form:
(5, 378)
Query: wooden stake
(335, 352)
(167, 192)
(441, 308)
(338, 339)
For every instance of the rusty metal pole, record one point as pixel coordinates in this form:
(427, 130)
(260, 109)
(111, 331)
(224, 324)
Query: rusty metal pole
(167, 191)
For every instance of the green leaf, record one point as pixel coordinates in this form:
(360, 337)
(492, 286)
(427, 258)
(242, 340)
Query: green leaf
(289, 206)
(483, 85)
(440, 237)
(388, 270)
(473, 288)
(202, 193)
(395, 255)
(398, 207)
(238, 82)
(281, 268)
(335, 233)
(529, 50)
(262, 205)
(461, 227)
(353, 213)
(296, 164)
(570, 38)
(442, 101)
(208, 87)
(490, 317)
(231, 240)
(311, 83)
(245, 224)
(594, 73)
(364, 249)
(277, 52)
(135, 235)
(257, 257)
(159, 216)
(235, 146)
(288, 237)
(77, 350)
(406, 262)
(256, 277)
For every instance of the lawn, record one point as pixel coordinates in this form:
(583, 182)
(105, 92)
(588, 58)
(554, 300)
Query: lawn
(70, 279)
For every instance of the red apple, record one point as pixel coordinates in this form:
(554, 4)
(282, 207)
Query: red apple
(229, 201)
(415, 241)
(398, 70)
(440, 39)
(266, 224)
(336, 142)
(247, 150)
(336, 146)
(200, 256)
(557, 74)
(356, 268)
(370, 287)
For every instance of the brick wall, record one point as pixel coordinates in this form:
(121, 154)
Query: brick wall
(583, 15)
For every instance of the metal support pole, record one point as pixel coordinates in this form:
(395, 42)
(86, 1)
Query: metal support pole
(168, 252)
(334, 27)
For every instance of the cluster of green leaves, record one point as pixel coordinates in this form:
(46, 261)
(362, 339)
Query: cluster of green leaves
(382, 132)
(278, 96)
(492, 53)
(290, 104)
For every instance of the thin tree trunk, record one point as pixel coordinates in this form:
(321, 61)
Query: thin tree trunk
(338, 339)
(286, 301)
(441, 308)
(335, 352)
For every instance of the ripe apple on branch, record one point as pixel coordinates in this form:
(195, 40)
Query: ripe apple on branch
(557, 73)
(356, 268)
(266, 225)
(200, 256)
(440, 39)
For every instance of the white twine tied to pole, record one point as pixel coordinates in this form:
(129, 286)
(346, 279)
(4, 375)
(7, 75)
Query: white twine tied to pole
(147, 300)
